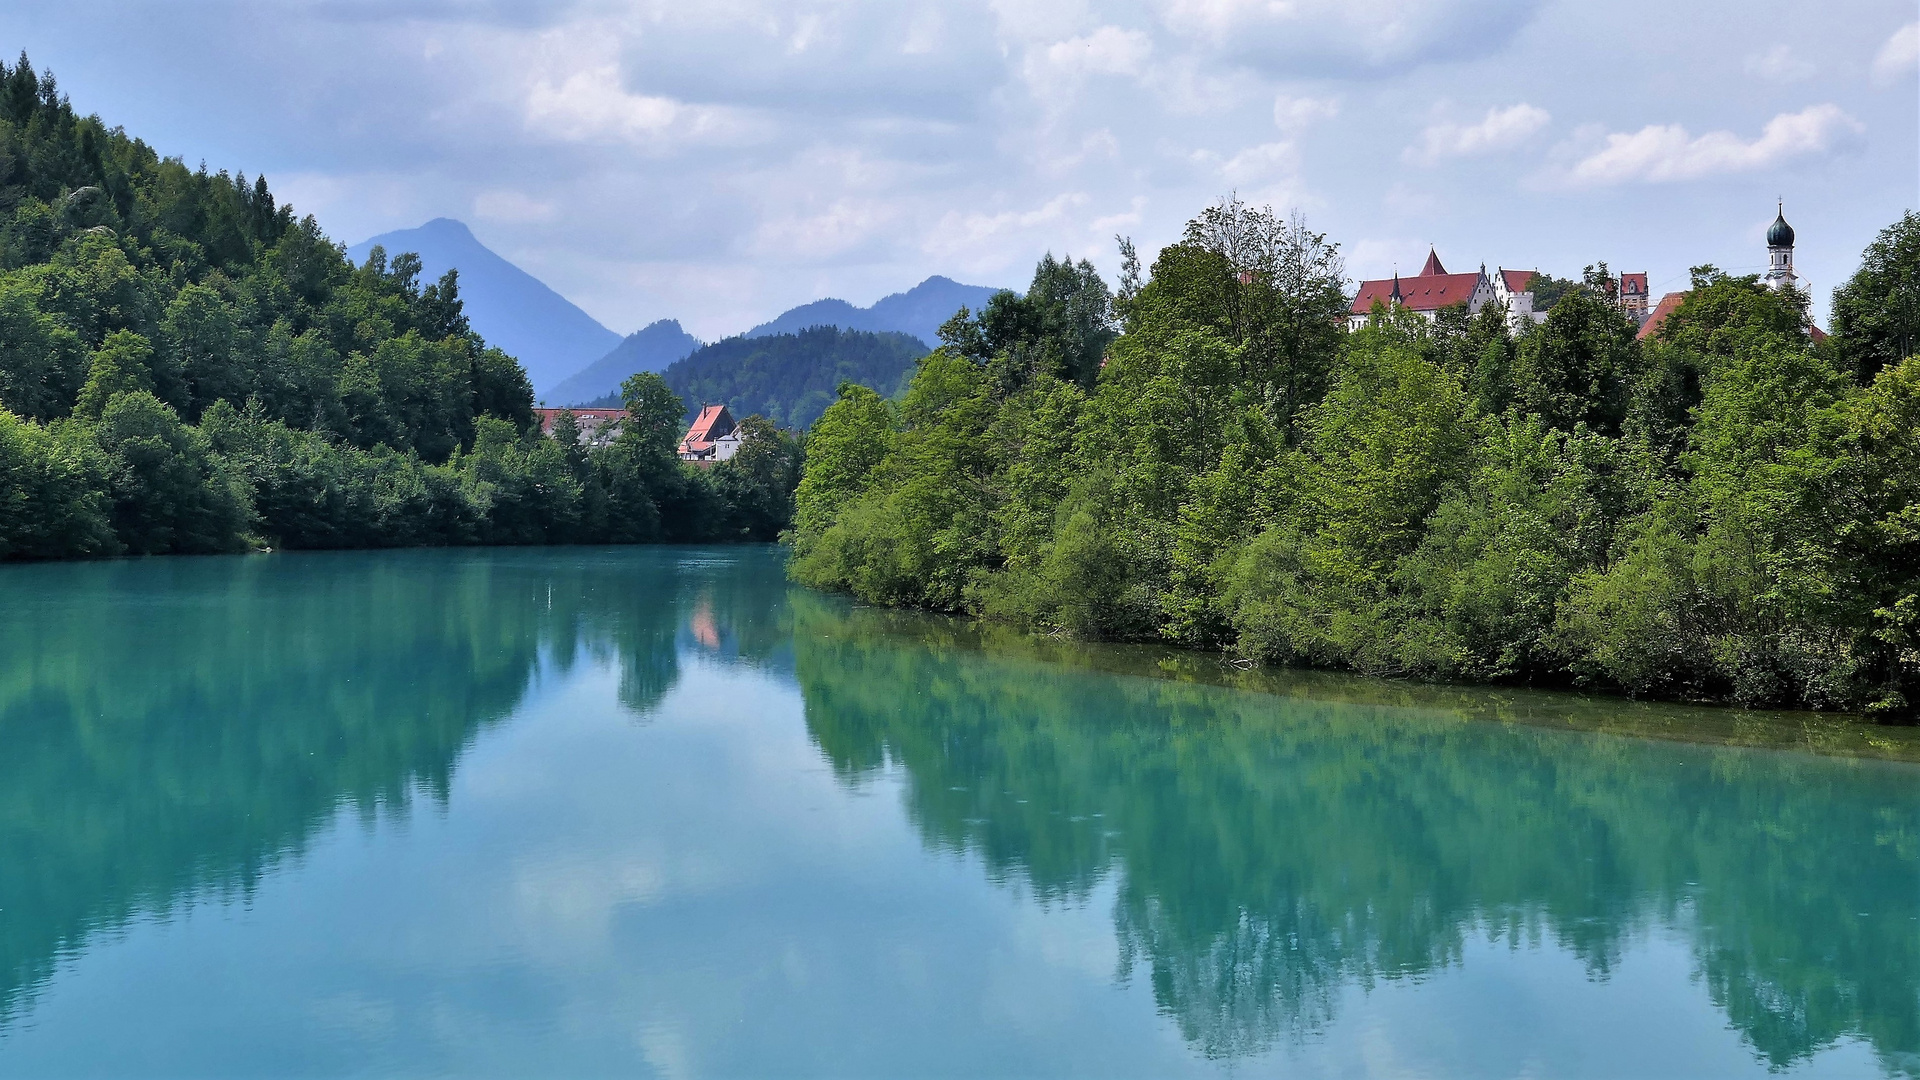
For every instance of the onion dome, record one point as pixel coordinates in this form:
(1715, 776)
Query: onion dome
(1780, 234)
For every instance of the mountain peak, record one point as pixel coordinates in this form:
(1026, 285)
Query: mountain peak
(446, 226)
(509, 307)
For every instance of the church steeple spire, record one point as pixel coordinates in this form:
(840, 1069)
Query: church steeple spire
(1780, 238)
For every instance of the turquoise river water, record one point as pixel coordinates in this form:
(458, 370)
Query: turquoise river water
(655, 812)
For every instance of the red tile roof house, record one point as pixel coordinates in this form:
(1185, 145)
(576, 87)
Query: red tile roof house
(713, 437)
(1669, 304)
(1433, 288)
(597, 426)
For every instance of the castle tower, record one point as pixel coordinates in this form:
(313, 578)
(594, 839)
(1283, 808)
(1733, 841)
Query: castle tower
(1780, 254)
(1633, 297)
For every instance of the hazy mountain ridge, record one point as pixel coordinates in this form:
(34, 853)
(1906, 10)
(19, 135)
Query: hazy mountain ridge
(651, 348)
(550, 336)
(571, 359)
(918, 312)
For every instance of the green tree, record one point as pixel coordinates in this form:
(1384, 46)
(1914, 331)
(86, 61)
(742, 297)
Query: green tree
(169, 492)
(1579, 366)
(756, 485)
(123, 364)
(42, 363)
(1876, 314)
(843, 449)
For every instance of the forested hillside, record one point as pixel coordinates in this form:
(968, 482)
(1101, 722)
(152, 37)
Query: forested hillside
(1725, 511)
(187, 367)
(791, 378)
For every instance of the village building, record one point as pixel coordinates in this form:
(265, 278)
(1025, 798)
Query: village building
(597, 426)
(714, 437)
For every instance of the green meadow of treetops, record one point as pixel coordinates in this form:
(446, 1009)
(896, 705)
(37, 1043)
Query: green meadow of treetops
(184, 367)
(1727, 510)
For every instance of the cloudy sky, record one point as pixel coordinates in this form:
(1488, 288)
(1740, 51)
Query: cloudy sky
(721, 160)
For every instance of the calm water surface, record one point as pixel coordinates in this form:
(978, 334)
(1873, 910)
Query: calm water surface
(651, 812)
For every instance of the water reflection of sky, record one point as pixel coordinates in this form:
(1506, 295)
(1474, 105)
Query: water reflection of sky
(682, 879)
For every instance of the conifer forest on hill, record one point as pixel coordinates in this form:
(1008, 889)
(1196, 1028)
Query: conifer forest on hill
(187, 367)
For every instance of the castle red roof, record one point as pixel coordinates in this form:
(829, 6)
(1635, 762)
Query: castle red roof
(1428, 292)
(1517, 280)
(1433, 267)
(1667, 306)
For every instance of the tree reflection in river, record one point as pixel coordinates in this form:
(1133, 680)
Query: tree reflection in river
(175, 728)
(1271, 851)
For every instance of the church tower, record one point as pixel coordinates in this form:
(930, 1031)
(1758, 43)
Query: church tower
(1780, 253)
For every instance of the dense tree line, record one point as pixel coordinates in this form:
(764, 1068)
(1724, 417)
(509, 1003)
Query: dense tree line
(185, 367)
(791, 378)
(1727, 510)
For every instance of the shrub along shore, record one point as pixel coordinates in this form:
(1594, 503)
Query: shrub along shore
(1728, 510)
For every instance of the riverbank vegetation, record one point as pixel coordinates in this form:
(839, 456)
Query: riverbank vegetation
(187, 367)
(1728, 510)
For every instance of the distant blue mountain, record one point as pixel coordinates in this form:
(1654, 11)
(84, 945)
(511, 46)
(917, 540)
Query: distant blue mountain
(649, 349)
(508, 306)
(918, 312)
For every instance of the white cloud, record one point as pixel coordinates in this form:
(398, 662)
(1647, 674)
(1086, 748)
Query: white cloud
(1502, 129)
(1293, 114)
(924, 33)
(512, 207)
(592, 104)
(1261, 164)
(1347, 36)
(1104, 227)
(1779, 64)
(1107, 51)
(964, 235)
(1900, 56)
(1662, 153)
(846, 225)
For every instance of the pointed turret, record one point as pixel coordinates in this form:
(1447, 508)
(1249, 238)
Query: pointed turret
(1433, 264)
(1780, 273)
(1780, 234)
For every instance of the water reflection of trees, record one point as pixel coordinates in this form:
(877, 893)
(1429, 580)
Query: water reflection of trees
(174, 728)
(1269, 852)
